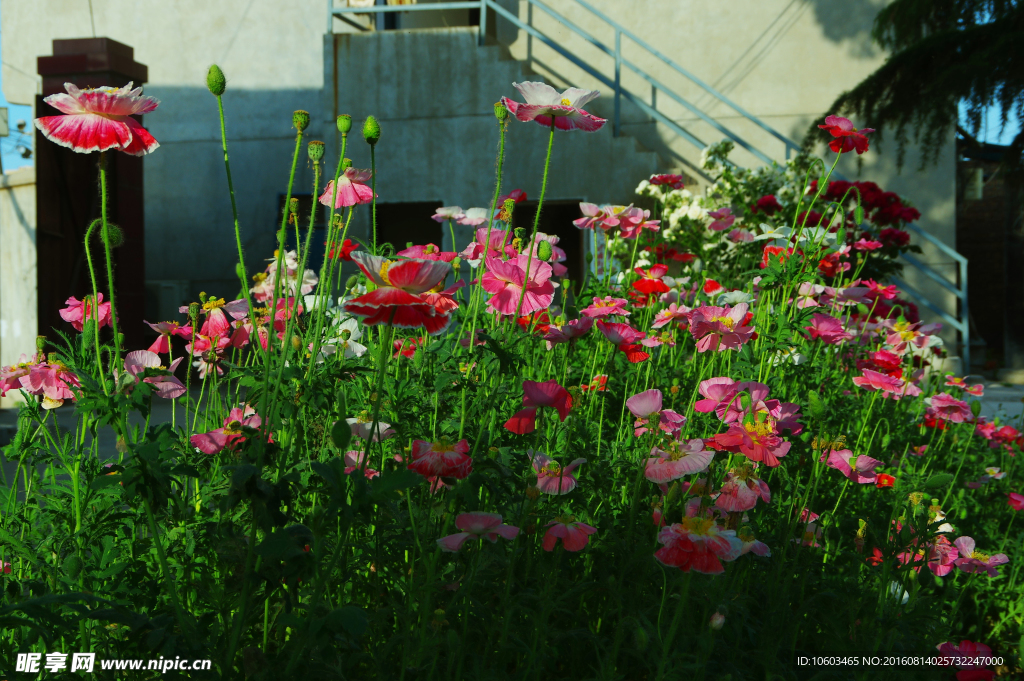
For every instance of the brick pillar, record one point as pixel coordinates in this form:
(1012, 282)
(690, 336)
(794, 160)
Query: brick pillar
(67, 195)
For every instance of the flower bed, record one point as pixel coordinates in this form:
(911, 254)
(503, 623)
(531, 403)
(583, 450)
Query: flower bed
(723, 458)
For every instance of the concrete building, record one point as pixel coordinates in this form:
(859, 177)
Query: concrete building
(433, 89)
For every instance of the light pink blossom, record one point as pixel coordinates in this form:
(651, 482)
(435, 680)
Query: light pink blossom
(477, 525)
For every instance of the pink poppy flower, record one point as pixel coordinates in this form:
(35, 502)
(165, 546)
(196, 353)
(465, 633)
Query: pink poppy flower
(887, 292)
(479, 525)
(166, 385)
(78, 311)
(625, 339)
(828, 329)
(723, 219)
(698, 544)
(741, 490)
(859, 469)
(535, 395)
(946, 407)
(635, 220)
(551, 477)
(866, 245)
(98, 119)
(968, 656)
(353, 189)
(671, 181)
(568, 332)
(574, 535)
(847, 137)
(162, 344)
(896, 387)
(231, 434)
(651, 279)
(354, 461)
(681, 459)
(648, 404)
(474, 217)
(971, 560)
(544, 102)
(10, 376)
(426, 252)
(216, 322)
(597, 217)
(505, 281)
(496, 246)
(942, 556)
(1016, 501)
(517, 195)
(720, 328)
(740, 236)
(266, 281)
(679, 314)
(441, 459)
(757, 441)
(605, 307)
(752, 545)
(399, 297)
(445, 213)
(806, 295)
(52, 381)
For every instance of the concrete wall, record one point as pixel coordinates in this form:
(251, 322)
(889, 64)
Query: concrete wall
(17, 269)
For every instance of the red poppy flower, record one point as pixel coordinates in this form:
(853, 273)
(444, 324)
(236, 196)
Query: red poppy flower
(399, 297)
(847, 137)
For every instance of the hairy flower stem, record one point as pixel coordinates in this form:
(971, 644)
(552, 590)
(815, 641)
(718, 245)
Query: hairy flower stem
(325, 271)
(242, 272)
(105, 238)
(290, 317)
(536, 219)
(95, 309)
(373, 192)
(384, 337)
(280, 257)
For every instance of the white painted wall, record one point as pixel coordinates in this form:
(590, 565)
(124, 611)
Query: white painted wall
(17, 270)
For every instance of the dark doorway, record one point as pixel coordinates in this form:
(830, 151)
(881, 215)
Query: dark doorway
(556, 219)
(403, 223)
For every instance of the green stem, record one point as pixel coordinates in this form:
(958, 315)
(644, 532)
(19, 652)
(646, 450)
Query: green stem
(95, 309)
(536, 218)
(105, 237)
(373, 191)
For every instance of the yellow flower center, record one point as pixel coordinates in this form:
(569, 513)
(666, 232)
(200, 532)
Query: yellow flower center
(213, 304)
(552, 470)
(727, 321)
(566, 102)
(761, 430)
(384, 267)
(233, 428)
(565, 519)
(259, 277)
(980, 556)
(698, 525)
(440, 446)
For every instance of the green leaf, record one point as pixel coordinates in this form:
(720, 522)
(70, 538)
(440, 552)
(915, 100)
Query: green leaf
(350, 618)
(939, 480)
(392, 482)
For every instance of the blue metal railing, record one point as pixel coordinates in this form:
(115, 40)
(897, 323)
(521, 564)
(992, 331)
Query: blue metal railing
(960, 322)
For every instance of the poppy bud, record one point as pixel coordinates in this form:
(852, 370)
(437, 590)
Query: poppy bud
(976, 408)
(589, 257)
(240, 270)
(344, 123)
(40, 343)
(293, 206)
(717, 621)
(300, 119)
(193, 312)
(352, 281)
(113, 235)
(73, 564)
(215, 81)
(500, 111)
(371, 131)
(315, 149)
(544, 251)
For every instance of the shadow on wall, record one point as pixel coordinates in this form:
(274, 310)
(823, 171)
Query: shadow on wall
(849, 21)
(189, 226)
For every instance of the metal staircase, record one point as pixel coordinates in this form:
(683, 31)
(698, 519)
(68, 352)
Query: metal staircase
(647, 102)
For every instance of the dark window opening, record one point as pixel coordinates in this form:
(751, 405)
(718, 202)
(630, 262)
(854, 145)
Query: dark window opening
(556, 219)
(403, 223)
(474, 17)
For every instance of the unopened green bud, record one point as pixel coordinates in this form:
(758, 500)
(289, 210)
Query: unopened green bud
(193, 312)
(500, 111)
(589, 257)
(976, 408)
(544, 251)
(73, 564)
(240, 271)
(300, 119)
(518, 231)
(315, 149)
(344, 123)
(508, 205)
(113, 235)
(371, 130)
(40, 343)
(293, 205)
(352, 281)
(215, 81)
